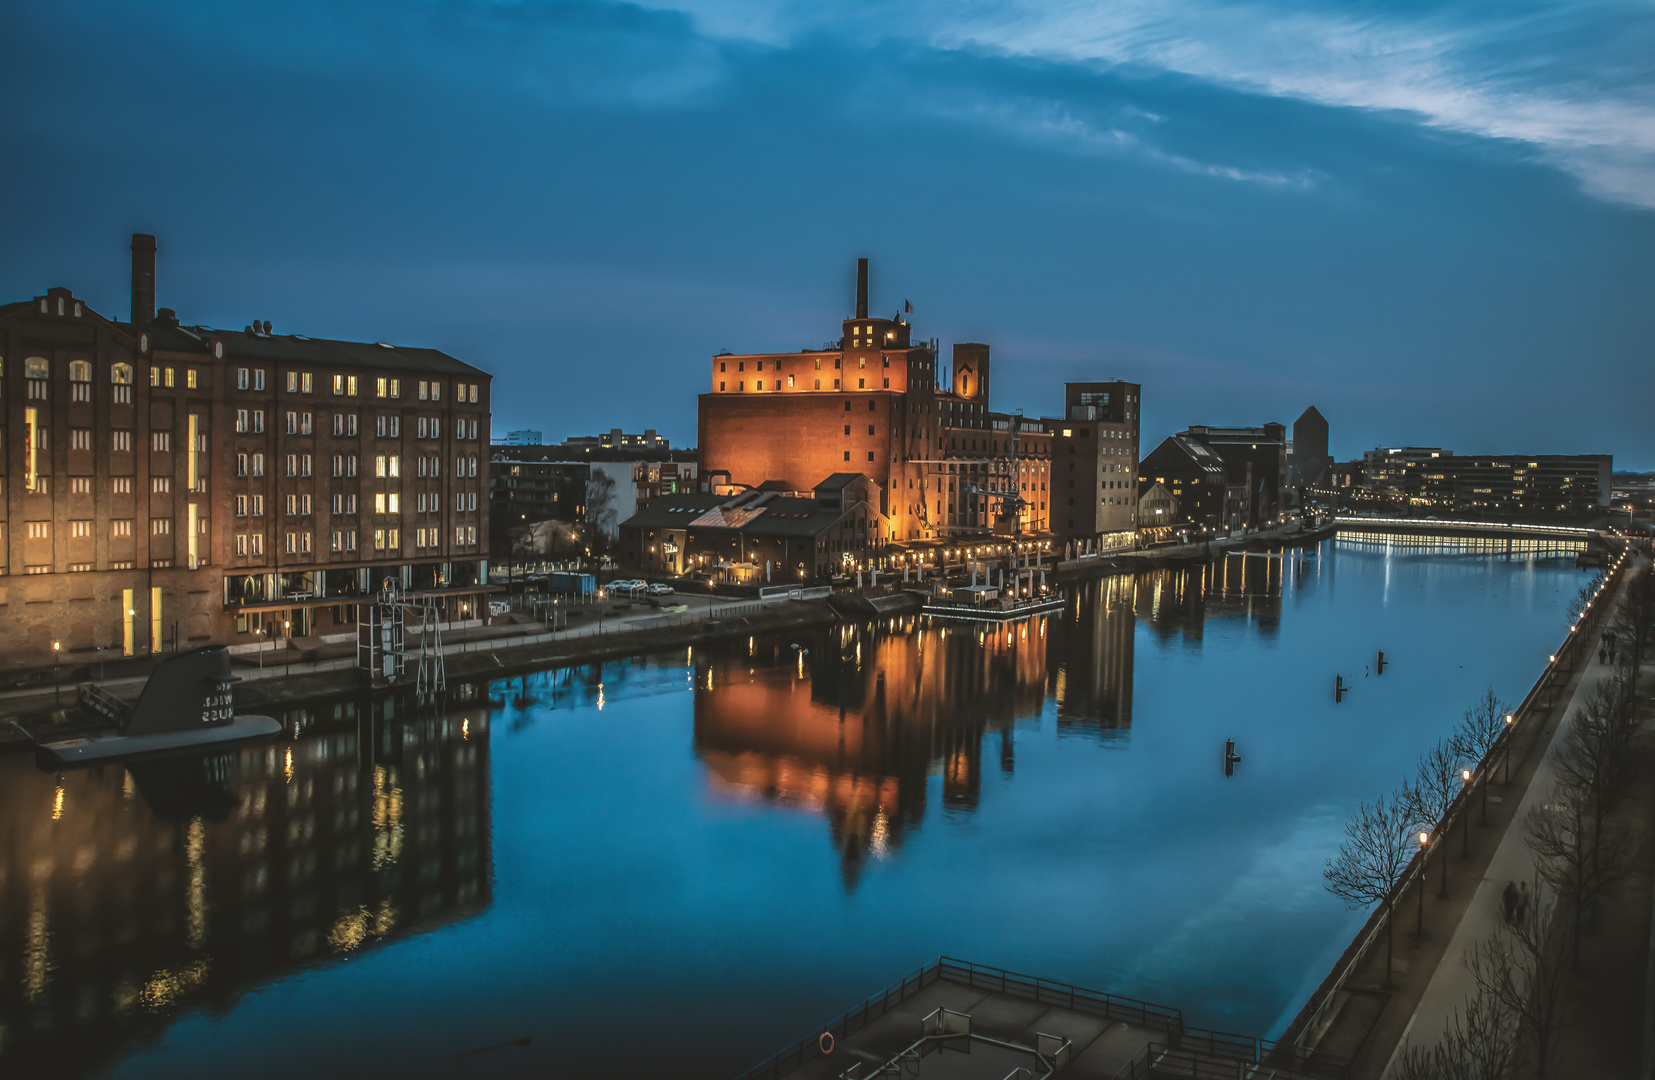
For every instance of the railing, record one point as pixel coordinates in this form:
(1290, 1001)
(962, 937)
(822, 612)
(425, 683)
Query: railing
(1080, 999)
(104, 703)
(1156, 1061)
(809, 1047)
(1310, 1019)
(1429, 523)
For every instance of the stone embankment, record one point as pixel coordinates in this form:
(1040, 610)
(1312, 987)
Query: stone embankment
(296, 682)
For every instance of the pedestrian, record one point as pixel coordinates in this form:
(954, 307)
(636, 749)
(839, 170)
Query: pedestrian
(1508, 898)
(1522, 902)
(1602, 656)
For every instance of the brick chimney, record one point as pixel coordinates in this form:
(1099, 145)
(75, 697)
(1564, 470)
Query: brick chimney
(861, 288)
(143, 279)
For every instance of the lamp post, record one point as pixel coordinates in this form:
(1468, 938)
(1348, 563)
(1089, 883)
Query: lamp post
(1505, 763)
(1424, 840)
(1465, 829)
(287, 651)
(57, 673)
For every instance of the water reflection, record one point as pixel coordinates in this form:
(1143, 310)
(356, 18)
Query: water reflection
(127, 894)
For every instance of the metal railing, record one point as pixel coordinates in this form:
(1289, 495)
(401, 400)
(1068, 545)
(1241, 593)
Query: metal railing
(1078, 998)
(1159, 1062)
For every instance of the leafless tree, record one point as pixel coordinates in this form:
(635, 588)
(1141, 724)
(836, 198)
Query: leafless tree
(1561, 835)
(1378, 844)
(1518, 969)
(1480, 728)
(1431, 792)
(1478, 1043)
(1597, 757)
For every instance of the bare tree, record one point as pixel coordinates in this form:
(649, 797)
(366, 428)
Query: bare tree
(1597, 758)
(1518, 970)
(1378, 843)
(1431, 792)
(1561, 835)
(1480, 728)
(1478, 1043)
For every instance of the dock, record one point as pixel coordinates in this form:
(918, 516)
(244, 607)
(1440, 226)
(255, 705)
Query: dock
(956, 1020)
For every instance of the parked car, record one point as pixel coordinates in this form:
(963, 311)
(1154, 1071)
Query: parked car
(660, 588)
(624, 587)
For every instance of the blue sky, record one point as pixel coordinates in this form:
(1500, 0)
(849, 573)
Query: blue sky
(1435, 222)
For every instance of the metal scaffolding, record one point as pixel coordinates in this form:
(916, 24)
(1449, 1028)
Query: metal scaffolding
(382, 639)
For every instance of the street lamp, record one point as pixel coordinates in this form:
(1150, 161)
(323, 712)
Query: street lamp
(1424, 839)
(57, 680)
(1465, 829)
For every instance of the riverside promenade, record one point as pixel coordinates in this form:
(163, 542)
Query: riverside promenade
(1360, 1013)
(279, 676)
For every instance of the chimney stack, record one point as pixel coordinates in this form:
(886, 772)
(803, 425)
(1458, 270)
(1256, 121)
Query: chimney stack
(861, 288)
(143, 279)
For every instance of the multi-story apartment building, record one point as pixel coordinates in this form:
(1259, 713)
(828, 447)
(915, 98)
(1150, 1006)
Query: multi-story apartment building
(173, 485)
(1094, 461)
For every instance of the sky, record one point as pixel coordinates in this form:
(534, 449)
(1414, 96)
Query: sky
(1435, 222)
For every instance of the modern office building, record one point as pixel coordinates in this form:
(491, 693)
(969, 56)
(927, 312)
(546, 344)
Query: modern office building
(1546, 484)
(616, 439)
(171, 485)
(520, 437)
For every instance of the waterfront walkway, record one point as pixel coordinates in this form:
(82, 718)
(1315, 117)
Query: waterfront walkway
(1373, 1018)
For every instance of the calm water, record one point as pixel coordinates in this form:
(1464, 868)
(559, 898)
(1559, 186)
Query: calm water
(675, 864)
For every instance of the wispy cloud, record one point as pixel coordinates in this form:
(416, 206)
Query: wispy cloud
(1574, 80)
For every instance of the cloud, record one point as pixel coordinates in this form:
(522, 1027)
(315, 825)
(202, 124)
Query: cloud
(1575, 81)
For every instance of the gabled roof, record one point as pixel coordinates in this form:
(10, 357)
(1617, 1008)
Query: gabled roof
(1177, 451)
(673, 511)
(838, 481)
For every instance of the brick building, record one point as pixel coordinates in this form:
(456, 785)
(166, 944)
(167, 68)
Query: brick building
(760, 536)
(170, 485)
(1202, 493)
(946, 468)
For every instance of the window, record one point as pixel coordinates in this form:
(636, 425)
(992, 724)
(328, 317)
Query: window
(304, 543)
(120, 374)
(350, 508)
(293, 464)
(459, 534)
(304, 465)
(379, 502)
(790, 382)
(80, 371)
(241, 421)
(80, 438)
(241, 384)
(847, 455)
(256, 542)
(292, 543)
(338, 465)
(292, 423)
(37, 367)
(80, 529)
(388, 426)
(338, 385)
(160, 526)
(471, 467)
(305, 382)
(394, 465)
(304, 423)
(471, 500)
(80, 485)
(191, 379)
(241, 506)
(338, 541)
(379, 535)
(121, 485)
(241, 464)
(120, 529)
(241, 543)
(160, 441)
(258, 464)
(459, 500)
(160, 485)
(292, 505)
(258, 506)
(350, 464)
(471, 534)
(258, 421)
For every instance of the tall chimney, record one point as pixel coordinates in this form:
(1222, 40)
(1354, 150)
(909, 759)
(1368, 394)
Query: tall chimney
(861, 288)
(143, 279)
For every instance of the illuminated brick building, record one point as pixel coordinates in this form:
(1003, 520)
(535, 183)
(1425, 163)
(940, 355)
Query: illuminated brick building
(168, 485)
(947, 467)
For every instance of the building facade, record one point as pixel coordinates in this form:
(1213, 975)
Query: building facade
(947, 468)
(169, 486)
(1202, 493)
(1569, 485)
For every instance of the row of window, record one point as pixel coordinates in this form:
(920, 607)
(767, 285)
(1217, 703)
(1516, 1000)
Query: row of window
(298, 382)
(299, 543)
(119, 528)
(385, 465)
(758, 365)
(758, 384)
(301, 423)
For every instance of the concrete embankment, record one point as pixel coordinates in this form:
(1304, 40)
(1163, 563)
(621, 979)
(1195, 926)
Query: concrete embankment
(1130, 562)
(309, 682)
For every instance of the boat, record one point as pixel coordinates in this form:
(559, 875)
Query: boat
(983, 603)
(186, 705)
